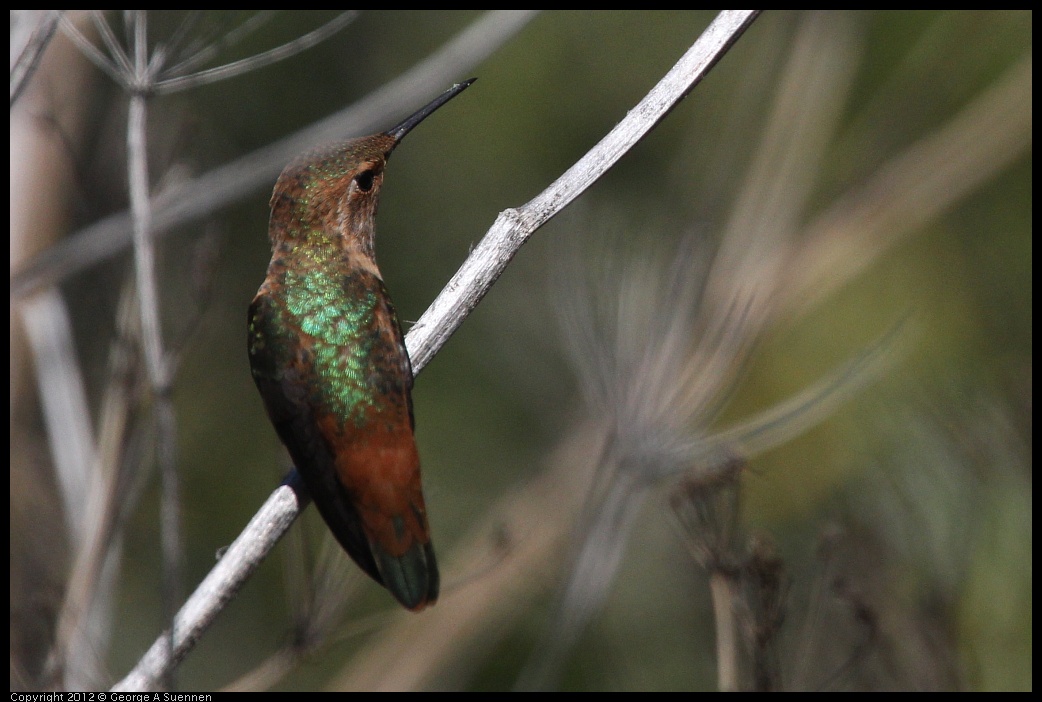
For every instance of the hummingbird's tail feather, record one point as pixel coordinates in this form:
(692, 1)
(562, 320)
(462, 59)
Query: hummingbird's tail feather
(412, 577)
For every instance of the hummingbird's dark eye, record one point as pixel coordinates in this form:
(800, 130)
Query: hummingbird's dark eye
(365, 180)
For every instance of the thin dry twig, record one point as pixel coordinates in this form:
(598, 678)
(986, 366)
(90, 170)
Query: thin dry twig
(119, 72)
(198, 55)
(258, 61)
(27, 58)
(219, 586)
(157, 365)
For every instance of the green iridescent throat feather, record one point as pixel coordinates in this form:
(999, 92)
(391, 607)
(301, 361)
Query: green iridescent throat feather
(336, 309)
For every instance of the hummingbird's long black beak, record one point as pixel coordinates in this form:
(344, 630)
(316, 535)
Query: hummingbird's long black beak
(405, 127)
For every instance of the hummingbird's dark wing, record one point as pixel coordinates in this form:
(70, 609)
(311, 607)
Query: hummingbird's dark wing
(281, 370)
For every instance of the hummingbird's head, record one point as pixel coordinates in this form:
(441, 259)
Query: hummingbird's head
(330, 196)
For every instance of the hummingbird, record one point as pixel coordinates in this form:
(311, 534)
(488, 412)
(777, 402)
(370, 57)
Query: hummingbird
(329, 359)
